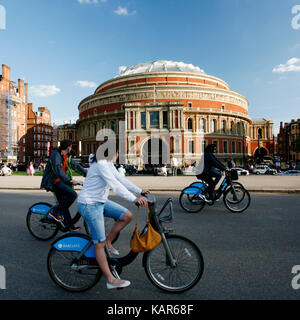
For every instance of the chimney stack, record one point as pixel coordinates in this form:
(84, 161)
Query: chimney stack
(21, 89)
(5, 72)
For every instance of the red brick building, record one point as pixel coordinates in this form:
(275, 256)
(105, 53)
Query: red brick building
(195, 108)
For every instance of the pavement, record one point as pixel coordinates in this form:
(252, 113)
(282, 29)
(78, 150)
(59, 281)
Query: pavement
(253, 183)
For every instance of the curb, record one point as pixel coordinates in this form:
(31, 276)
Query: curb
(288, 191)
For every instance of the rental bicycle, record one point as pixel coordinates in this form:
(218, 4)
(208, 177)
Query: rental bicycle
(175, 265)
(235, 197)
(42, 226)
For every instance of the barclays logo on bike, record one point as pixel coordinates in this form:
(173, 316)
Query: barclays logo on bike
(68, 246)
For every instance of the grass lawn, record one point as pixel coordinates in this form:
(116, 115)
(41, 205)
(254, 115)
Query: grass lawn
(38, 173)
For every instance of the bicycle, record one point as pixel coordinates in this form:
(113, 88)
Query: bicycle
(42, 226)
(235, 197)
(175, 265)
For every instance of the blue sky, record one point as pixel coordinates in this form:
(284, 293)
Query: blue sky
(64, 48)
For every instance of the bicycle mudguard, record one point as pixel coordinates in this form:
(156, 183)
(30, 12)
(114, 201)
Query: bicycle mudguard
(198, 185)
(192, 190)
(74, 241)
(40, 208)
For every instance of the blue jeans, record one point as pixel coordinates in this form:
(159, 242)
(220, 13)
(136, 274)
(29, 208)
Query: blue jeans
(94, 213)
(65, 196)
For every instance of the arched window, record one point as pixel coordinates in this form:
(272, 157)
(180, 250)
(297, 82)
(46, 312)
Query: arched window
(238, 128)
(190, 124)
(214, 125)
(113, 126)
(232, 128)
(202, 125)
(224, 126)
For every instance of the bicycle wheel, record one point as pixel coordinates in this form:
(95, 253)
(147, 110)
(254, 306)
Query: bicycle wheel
(69, 273)
(190, 201)
(40, 226)
(187, 272)
(236, 199)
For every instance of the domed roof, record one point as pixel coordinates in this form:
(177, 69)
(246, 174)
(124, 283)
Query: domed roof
(159, 66)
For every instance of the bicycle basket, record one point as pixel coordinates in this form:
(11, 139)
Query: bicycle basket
(234, 175)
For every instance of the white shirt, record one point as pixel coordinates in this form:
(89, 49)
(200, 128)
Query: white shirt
(6, 170)
(101, 177)
(122, 171)
(174, 162)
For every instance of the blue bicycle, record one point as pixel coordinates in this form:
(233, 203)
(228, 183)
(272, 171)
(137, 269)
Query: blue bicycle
(42, 226)
(175, 265)
(235, 197)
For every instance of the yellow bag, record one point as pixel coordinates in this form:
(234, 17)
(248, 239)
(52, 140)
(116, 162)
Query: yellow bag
(149, 240)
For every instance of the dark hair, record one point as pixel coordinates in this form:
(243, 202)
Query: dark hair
(65, 144)
(210, 148)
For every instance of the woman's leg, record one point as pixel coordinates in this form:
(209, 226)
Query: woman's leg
(122, 216)
(117, 227)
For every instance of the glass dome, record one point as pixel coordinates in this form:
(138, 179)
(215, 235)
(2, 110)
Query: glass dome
(159, 66)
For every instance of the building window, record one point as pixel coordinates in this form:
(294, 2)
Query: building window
(154, 119)
(214, 125)
(176, 119)
(215, 142)
(113, 126)
(143, 120)
(190, 124)
(224, 126)
(233, 147)
(191, 146)
(202, 125)
(239, 147)
(165, 119)
(190, 105)
(232, 128)
(225, 147)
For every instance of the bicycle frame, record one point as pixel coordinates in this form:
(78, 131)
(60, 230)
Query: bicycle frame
(84, 245)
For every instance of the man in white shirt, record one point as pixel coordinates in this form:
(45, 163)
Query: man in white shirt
(174, 165)
(122, 170)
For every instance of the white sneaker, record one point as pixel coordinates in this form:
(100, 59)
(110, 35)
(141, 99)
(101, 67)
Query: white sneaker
(114, 251)
(202, 197)
(125, 284)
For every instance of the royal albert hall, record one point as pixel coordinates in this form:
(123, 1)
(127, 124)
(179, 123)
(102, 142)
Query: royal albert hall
(156, 98)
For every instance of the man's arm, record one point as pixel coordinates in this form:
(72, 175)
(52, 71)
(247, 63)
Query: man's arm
(78, 167)
(217, 164)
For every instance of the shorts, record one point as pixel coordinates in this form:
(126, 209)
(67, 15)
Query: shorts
(94, 213)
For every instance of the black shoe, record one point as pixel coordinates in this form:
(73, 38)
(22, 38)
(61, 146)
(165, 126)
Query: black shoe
(56, 216)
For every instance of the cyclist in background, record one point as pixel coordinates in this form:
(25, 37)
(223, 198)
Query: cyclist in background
(93, 205)
(58, 178)
(210, 174)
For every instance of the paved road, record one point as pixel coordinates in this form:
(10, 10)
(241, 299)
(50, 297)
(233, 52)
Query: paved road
(247, 256)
